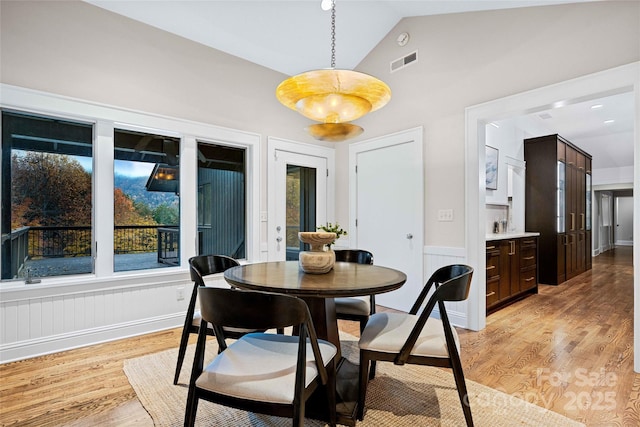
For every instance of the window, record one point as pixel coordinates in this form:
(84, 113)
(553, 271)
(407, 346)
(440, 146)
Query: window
(146, 201)
(221, 200)
(113, 191)
(47, 183)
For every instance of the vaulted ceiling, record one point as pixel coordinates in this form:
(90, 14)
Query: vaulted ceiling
(293, 36)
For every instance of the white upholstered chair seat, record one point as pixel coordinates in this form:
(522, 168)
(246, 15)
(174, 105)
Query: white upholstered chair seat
(360, 306)
(387, 332)
(261, 367)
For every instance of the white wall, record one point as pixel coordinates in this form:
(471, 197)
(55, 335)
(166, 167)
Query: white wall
(74, 49)
(467, 59)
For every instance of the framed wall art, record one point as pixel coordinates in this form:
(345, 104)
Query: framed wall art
(492, 168)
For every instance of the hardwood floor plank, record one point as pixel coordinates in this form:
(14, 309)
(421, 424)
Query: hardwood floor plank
(568, 349)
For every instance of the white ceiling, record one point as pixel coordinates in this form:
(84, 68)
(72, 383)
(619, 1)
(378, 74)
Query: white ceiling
(293, 36)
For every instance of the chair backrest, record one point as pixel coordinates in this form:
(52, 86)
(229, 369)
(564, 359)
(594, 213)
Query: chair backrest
(257, 310)
(250, 309)
(358, 256)
(452, 283)
(204, 265)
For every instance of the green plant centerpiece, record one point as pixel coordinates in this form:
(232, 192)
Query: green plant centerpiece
(332, 228)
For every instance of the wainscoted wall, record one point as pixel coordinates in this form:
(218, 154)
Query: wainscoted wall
(40, 319)
(439, 256)
(37, 320)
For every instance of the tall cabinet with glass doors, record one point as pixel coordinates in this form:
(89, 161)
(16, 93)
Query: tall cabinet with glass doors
(558, 206)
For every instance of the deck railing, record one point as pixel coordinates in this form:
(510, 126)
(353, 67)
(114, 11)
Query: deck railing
(41, 242)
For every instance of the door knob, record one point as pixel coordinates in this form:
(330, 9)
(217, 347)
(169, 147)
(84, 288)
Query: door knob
(409, 236)
(279, 239)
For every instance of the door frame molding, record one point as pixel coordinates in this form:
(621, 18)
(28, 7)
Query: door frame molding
(274, 145)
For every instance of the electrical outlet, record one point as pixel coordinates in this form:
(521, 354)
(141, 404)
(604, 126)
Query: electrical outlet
(179, 294)
(445, 215)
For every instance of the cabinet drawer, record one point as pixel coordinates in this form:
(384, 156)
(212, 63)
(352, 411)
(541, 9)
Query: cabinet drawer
(492, 292)
(528, 279)
(527, 257)
(493, 266)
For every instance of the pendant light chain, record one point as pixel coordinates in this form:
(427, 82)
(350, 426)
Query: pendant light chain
(333, 34)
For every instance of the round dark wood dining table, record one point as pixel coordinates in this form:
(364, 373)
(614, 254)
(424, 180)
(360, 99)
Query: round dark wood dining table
(318, 291)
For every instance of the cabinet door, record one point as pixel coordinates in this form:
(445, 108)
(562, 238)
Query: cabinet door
(505, 269)
(588, 254)
(561, 261)
(581, 251)
(571, 202)
(571, 255)
(514, 266)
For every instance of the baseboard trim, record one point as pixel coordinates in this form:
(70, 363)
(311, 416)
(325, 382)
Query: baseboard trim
(27, 349)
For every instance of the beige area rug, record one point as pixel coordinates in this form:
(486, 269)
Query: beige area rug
(412, 396)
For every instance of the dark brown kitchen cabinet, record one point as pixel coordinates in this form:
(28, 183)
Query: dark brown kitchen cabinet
(511, 270)
(558, 205)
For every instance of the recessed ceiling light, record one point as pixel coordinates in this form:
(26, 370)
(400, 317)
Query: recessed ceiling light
(596, 106)
(608, 122)
(559, 104)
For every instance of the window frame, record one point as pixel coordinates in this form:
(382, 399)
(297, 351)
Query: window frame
(107, 118)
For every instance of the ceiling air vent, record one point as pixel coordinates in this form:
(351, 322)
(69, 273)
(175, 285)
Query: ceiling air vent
(404, 61)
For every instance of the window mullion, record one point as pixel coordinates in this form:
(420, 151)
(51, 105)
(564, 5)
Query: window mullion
(103, 198)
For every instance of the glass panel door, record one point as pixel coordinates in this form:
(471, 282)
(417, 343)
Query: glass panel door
(301, 207)
(560, 195)
(298, 199)
(588, 198)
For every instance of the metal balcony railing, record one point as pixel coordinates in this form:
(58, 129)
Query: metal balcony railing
(43, 242)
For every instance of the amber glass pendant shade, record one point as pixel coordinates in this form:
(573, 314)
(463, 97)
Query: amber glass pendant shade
(333, 96)
(334, 132)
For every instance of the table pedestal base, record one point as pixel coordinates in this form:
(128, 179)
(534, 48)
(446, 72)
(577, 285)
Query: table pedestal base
(346, 396)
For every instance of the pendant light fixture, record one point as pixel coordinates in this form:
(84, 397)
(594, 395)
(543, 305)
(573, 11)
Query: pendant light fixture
(333, 97)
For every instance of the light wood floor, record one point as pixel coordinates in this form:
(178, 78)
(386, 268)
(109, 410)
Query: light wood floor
(568, 349)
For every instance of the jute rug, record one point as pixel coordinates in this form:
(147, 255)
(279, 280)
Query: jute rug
(412, 396)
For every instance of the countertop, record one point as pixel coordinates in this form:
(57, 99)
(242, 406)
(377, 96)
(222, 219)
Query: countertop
(510, 235)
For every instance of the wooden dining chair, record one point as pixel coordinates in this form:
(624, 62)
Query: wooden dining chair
(355, 308)
(261, 372)
(418, 338)
(200, 267)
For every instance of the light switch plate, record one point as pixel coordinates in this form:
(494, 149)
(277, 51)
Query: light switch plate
(445, 215)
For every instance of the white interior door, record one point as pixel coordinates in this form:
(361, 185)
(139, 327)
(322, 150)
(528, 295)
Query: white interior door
(277, 225)
(624, 221)
(388, 210)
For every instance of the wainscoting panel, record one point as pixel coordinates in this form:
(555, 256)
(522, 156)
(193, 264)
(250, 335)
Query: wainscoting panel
(77, 315)
(439, 256)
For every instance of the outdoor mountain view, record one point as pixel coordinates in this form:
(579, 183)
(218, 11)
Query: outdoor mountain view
(54, 191)
(50, 189)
